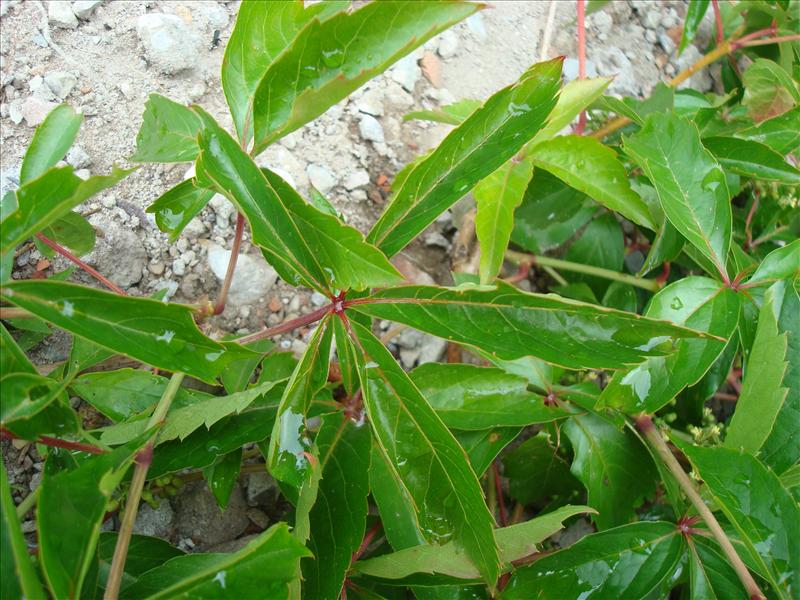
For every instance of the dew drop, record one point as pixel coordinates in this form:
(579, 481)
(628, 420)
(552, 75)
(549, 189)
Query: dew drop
(333, 58)
(68, 310)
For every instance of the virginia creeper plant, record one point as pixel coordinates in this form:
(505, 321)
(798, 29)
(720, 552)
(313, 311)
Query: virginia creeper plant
(653, 391)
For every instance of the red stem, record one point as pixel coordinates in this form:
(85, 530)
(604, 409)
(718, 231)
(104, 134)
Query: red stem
(54, 442)
(718, 19)
(287, 326)
(774, 40)
(581, 58)
(501, 503)
(71, 257)
(368, 537)
(749, 220)
(226, 285)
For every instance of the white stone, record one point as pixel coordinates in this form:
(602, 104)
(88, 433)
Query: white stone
(371, 103)
(356, 179)
(406, 72)
(476, 26)
(321, 178)
(61, 83)
(448, 44)
(59, 14)
(78, 158)
(223, 209)
(318, 299)
(371, 129)
(252, 279)
(34, 110)
(83, 9)
(168, 42)
(179, 267)
(15, 111)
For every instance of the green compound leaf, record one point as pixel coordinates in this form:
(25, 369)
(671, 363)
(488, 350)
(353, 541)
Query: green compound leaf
(425, 459)
(626, 562)
(480, 145)
(51, 141)
(690, 184)
(510, 324)
(159, 334)
(331, 58)
(168, 132)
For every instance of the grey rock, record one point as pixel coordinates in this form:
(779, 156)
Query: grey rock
(572, 69)
(701, 80)
(419, 348)
(261, 488)
(78, 158)
(194, 229)
(38, 39)
(224, 211)
(15, 111)
(356, 179)
(61, 83)
(115, 241)
(253, 277)
(666, 43)
(321, 178)
(40, 89)
(154, 522)
(179, 267)
(34, 110)
(59, 14)
(318, 299)
(602, 21)
(448, 44)
(233, 545)
(371, 129)
(434, 238)
(169, 44)
(651, 17)
(83, 9)
(207, 14)
(9, 179)
(476, 26)
(200, 519)
(406, 72)
(612, 61)
(258, 517)
(371, 103)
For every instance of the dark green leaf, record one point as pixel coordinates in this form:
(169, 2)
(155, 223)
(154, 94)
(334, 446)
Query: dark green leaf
(511, 324)
(263, 30)
(550, 214)
(323, 252)
(12, 358)
(474, 398)
(168, 132)
(782, 263)
(222, 476)
(236, 376)
(588, 166)
(289, 445)
(44, 200)
(339, 515)
(70, 512)
(759, 507)
(482, 447)
(626, 562)
(696, 302)
(450, 114)
(144, 553)
(162, 335)
(602, 244)
(666, 247)
(711, 576)
(331, 58)
(694, 16)
(179, 205)
(488, 138)
(613, 465)
(752, 159)
(536, 471)
(425, 457)
(347, 355)
(73, 231)
(18, 577)
(621, 296)
(768, 90)
(50, 142)
(263, 569)
(690, 184)
(25, 395)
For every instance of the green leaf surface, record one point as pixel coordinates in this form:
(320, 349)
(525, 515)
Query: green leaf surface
(690, 184)
(321, 251)
(711, 576)
(613, 465)
(536, 471)
(781, 133)
(479, 146)
(762, 395)
(768, 90)
(25, 395)
(752, 159)
(263, 30)
(449, 114)
(289, 444)
(759, 507)
(574, 97)
(515, 542)
(12, 358)
(497, 197)
(473, 398)
(331, 58)
(781, 263)
(51, 141)
(263, 568)
(550, 214)
(601, 244)
(426, 458)
(222, 476)
(18, 577)
(168, 132)
(696, 302)
(42, 201)
(70, 513)
(74, 232)
(144, 553)
(586, 165)
(162, 335)
(511, 324)
(626, 562)
(339, 515)
(694, 16)
(483, 446)
(179, 205)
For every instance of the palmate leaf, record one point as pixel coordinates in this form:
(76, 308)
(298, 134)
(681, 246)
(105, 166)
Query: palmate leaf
(510, 324)
(690, 184)
(51, 141)
(515, 542)
(631, 561)
(696, 302)
(759, 507)
(159, 334)
(488, 138)
(339, 515)
(331, 58)
(262, 569)
(424, 456)
(304, 244)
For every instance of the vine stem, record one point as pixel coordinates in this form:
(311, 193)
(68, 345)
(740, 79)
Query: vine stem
(226, 285)
(46, 440)
(143, 460)
(27, 503)
(546, 261)
(11, 312)
(645, 424)
(581, 58)
(72, 258)
(287, 326)
(718, 20)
